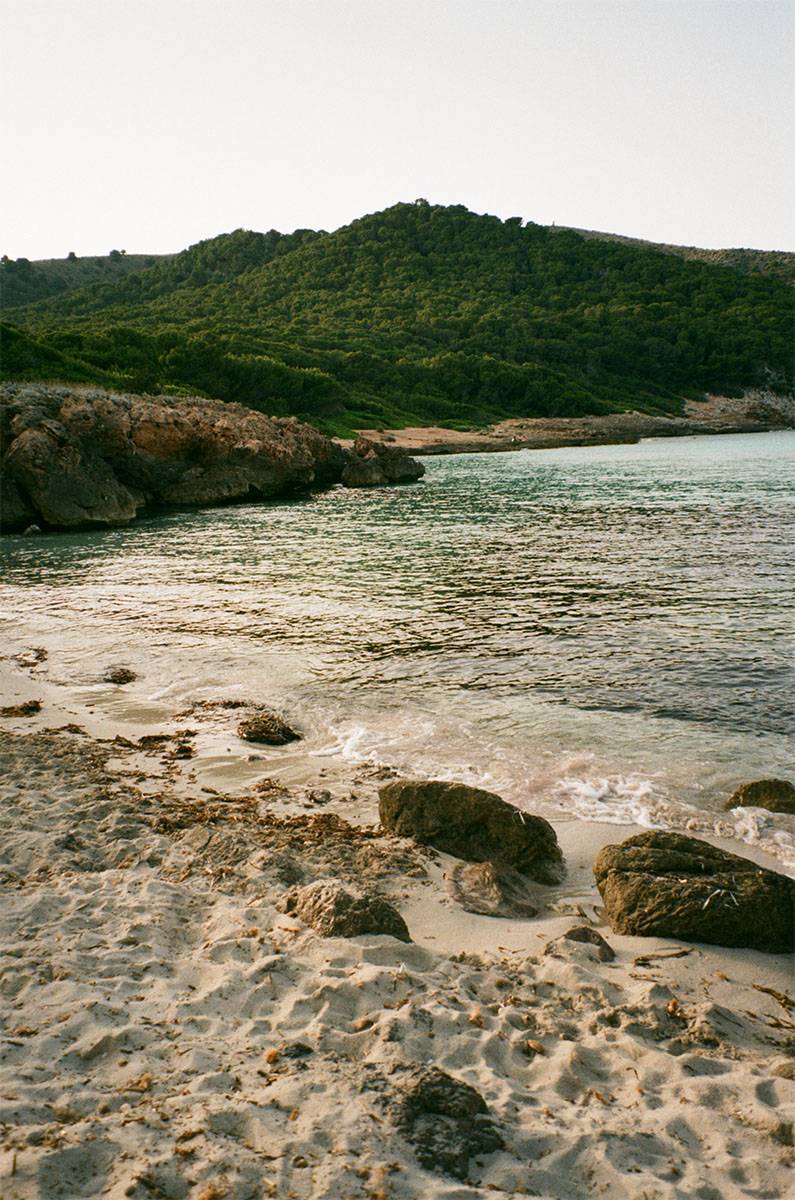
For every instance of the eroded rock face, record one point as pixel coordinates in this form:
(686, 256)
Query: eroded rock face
(374, 464)
(777, 795)
(472, 824)
(75, 456)
(363, 473)
(64, 482)
(267, 728)
(446, 1121)
(491, 891)
(334, 910)
(663, 884)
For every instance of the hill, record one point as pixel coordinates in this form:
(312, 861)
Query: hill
(778, 263)
(25, 282)
(421, 314)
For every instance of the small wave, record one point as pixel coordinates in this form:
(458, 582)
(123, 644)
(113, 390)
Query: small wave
(633, 800)
(565, 786)
(618, 799)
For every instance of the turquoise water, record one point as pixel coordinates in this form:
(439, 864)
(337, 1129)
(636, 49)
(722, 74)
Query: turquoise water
(604, 631)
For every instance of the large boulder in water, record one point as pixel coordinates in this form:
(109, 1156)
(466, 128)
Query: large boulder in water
(334, 910)
(81, 456)
(373, 464)
(777, 795)
(661, 884)
(471, 824)
(362, 472)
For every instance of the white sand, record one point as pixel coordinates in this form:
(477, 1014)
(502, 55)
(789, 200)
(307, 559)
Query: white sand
(150, 989)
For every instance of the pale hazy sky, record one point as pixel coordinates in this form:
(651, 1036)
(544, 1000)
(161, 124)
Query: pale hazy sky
(148, 124)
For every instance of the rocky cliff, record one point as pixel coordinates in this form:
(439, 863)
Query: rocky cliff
(76, 457)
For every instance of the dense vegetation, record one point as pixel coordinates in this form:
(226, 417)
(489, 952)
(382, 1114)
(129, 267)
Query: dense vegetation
(778, 263)
(418, 314)
(24, 282)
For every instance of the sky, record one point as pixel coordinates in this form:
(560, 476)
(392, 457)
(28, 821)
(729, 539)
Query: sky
(146, 125)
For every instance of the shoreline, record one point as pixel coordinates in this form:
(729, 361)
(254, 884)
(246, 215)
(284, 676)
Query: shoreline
(756, 412)
(170, 1030)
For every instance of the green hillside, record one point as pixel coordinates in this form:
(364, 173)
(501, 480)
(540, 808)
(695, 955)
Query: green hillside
(778, 263)
(210, 262)
(423, 314)
(25, 282)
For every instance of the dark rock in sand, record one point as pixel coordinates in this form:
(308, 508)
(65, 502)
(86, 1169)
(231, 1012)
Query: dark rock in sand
(296, 1050)
(661, 884)
(267, 728)
(584, 934)
(183, 750)
(491, 891)
(119, 675)
(472, 824)
(28, 708)
(334, 910)
(777, 795)
(446, 1121)
(151, 741)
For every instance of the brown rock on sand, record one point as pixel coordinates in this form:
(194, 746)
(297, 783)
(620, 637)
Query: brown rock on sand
(491, 891)
(334, 910)
(662, 884)
(777, 795)
(472, 824)
(583, 934)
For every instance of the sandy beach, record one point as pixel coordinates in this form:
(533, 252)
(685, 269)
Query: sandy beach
(169, 1031)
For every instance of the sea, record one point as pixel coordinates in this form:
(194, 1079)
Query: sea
(601, 633)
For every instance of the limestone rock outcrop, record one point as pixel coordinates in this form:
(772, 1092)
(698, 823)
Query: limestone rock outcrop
(74, 457)
(374, 464)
